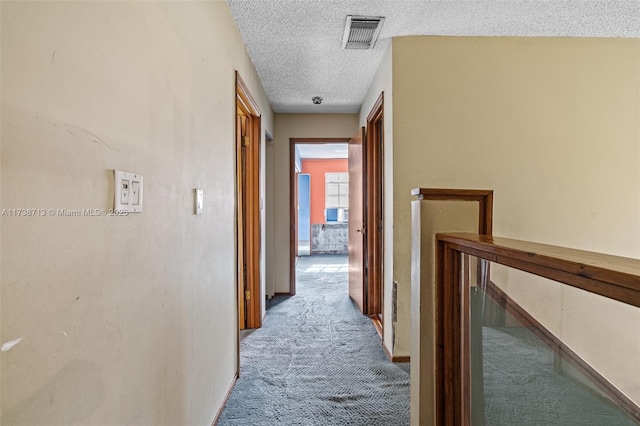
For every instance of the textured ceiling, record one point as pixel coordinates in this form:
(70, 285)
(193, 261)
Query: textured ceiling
(295, 45)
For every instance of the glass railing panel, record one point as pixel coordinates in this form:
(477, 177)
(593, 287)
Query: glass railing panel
(544, 353)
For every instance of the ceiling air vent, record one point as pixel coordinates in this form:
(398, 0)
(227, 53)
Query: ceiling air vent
(361, 32)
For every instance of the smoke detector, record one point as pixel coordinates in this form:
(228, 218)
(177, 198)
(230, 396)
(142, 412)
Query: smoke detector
(316, 100)
(361, 32)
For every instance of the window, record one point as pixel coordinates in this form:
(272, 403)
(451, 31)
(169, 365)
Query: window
(336, 190)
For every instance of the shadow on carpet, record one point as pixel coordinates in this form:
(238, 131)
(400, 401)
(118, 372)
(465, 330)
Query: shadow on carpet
(317, 360)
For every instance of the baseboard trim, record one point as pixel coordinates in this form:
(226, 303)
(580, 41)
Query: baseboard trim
(281, 294)
(396, 358)
(226, 398)
(562, 350)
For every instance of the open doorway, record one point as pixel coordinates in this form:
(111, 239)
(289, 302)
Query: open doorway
(354, 202)
(319, 199)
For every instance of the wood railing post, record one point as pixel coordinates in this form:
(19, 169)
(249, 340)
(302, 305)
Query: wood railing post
(436, 210)
(450, 376)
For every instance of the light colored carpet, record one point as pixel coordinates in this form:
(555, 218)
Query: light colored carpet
(522, 388)
(317, 360)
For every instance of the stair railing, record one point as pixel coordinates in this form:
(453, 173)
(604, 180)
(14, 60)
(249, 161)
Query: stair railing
(465, 263)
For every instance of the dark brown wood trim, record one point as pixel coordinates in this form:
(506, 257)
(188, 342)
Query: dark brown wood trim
(449, 389)
(465, 340)
(373, 179)
(248, 235)
(609, 276)
(442, 331)
(401, 358)
(282, 294)
(292, 201)
(483, 196)
(254, 317)
(446, 193)
(293, 220)
(377, 108)
(245, 96)
(562, 350)
(319, 140)
(224, 401)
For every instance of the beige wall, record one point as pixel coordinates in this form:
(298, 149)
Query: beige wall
(551, 124)
(269, 252)
(296, 126)
(123, 320)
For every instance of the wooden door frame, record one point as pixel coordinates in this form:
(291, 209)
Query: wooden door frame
(373, 175)
(248, 237)
(293, 217)
(374, 233)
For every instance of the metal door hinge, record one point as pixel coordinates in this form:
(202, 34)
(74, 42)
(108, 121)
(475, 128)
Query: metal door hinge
(247, 295)
(245, 141)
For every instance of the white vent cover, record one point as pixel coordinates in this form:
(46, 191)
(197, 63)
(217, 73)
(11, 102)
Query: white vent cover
(361, 32)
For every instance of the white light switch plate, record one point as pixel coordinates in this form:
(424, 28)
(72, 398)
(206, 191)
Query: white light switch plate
(198, 201)
(128, 192)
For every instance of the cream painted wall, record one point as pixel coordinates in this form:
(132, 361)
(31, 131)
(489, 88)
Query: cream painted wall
(382, 82)
(550, 124)
(296, 126)
(123, 320)
(263, 224)
(269, 224)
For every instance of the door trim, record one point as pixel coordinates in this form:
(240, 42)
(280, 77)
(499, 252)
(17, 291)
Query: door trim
(293, 232)
(373, 175)
(248, 232)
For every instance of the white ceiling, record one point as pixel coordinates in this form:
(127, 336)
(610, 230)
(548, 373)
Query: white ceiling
(323, 150)
(295, 45)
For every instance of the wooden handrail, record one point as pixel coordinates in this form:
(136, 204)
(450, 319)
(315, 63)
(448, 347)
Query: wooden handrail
(610, 276)
(614, 277)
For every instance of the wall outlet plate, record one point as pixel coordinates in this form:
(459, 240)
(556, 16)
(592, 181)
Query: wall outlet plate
(128, 192)
(198, 197)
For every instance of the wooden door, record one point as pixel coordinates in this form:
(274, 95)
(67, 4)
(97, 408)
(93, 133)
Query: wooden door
(374, 210)
(241, 220)
(248, 129)
(357, 228)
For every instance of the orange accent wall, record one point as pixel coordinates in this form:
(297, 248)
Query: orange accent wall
(317, 167)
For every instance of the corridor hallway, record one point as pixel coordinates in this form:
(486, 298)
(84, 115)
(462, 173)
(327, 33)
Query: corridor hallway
(317, 360)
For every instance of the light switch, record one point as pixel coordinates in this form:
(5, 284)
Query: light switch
(198, 201)
(128, 192)
(135, 193)
(124, 191)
